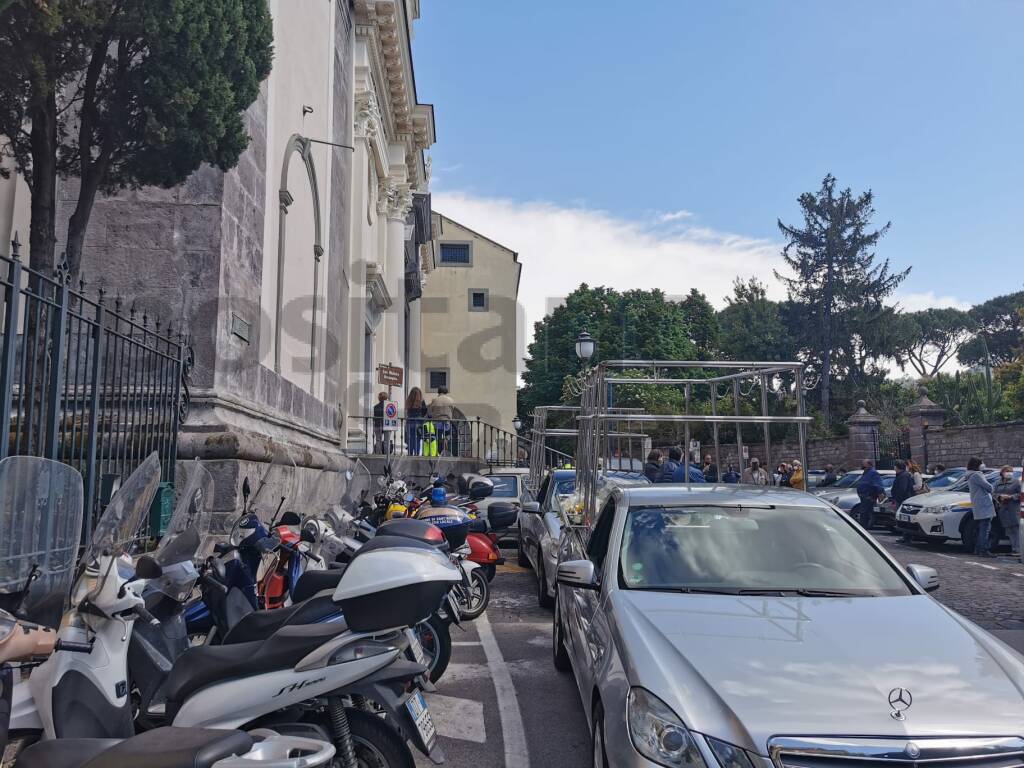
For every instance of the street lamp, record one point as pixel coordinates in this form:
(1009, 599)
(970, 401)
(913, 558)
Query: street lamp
(585, 347)
(517, 423)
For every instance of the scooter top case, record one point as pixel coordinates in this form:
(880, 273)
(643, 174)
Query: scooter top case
(385, 587)
(501, 515)
(452, 521)
(417, 530)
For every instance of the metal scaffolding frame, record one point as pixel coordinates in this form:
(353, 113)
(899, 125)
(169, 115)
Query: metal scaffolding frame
(599, 420)
(541, 459)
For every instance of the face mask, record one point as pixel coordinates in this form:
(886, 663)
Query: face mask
(1006, 475)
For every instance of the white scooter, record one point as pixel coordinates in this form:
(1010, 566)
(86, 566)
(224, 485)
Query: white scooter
(293, 681)
(41, 514)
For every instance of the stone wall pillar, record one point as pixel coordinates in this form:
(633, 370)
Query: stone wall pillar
(922, 416)
(863, 440)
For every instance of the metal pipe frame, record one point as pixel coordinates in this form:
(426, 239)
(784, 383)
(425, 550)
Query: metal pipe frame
(597, 416)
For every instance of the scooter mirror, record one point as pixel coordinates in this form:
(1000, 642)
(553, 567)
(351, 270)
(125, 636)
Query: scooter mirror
(308, 536)
(349, 475)
(381, 482)
(290, 518)
(148, 568)
(246, 492)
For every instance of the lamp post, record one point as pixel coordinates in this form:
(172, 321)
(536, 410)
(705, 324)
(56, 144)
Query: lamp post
(585, 346)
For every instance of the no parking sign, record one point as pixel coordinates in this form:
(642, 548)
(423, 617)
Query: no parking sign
(390, 416)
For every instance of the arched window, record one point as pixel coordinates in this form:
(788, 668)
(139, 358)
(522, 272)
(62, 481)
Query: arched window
(303, 269)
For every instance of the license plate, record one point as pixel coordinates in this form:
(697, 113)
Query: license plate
(903, 517)
(417, 647)
(417, 707)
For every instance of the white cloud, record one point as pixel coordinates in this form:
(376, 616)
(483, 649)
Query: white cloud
(917, 301)
(561, 247)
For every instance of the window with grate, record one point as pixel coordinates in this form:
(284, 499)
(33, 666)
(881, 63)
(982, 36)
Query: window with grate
(479, 300)
(455, 253)
(437, 378)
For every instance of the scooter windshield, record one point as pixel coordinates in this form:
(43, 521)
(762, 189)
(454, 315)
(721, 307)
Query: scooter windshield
(358, 487)
(188, 533)
(41, 504)
(123, 518)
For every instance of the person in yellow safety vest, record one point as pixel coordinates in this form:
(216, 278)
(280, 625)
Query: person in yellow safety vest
(429, 439)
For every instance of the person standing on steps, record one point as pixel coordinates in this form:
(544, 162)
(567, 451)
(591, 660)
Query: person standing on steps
(381, 439)
(441, 411)
(415, 414)
(755, 475)
(982, 507)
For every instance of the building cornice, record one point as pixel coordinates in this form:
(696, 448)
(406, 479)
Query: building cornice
(376, 288)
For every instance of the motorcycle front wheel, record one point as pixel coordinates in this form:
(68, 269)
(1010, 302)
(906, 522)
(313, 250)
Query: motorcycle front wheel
(473, 601)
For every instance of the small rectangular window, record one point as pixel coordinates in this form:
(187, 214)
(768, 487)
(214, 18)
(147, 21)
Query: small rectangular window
(455, 253)
(437, 378)
(479, 300)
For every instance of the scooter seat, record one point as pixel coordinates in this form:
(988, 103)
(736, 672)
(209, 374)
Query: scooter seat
(259, 625)
(311, 582)
(204, 665)
(159, 748)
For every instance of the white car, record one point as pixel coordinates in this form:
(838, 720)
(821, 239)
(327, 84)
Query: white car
(945, 515)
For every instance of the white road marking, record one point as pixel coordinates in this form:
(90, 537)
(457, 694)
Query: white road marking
(458, 718)
(465, 643)
(512, 731)
(948, 557)
(983, 565)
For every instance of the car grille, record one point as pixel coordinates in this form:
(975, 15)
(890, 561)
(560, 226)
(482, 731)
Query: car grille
(911, 509)
(901, 753)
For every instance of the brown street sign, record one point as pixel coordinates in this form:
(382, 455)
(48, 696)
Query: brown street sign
(390, 375)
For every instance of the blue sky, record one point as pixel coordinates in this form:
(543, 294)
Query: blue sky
(725, 111)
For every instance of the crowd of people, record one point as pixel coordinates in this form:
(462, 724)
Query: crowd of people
(429, 429)
(667, 466)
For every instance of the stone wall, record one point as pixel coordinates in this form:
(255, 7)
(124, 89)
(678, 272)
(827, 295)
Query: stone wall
(996, 444)
(819, 452)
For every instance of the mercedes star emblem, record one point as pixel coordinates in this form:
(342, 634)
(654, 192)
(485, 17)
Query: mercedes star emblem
(913, 751)
(900, 701)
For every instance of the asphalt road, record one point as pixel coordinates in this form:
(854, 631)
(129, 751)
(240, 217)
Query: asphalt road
(502, 703)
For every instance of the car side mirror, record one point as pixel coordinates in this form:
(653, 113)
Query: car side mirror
(532, 507)
(925, 576)
(148, 568)
(578, 574)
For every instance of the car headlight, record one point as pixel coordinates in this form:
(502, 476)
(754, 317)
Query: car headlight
(728, 755)
(658, 734)
(955, 508)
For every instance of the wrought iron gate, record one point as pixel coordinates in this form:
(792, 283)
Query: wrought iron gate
(85, 383)
(890, 446)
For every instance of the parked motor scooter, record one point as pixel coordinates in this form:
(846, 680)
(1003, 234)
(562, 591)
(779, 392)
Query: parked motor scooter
(297, 681)
(37, 557)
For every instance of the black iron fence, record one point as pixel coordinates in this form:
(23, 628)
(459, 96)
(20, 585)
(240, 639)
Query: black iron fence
(458, 438)
(84, 382)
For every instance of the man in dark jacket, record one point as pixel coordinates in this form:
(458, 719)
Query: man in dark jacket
(903, 485)
(830, 477)
(653, 465)
(709, 470)
(869, 489)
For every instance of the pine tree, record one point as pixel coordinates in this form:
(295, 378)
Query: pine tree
(836, 285)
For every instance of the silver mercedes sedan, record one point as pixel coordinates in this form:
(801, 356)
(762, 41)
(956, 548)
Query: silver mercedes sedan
(743, 627)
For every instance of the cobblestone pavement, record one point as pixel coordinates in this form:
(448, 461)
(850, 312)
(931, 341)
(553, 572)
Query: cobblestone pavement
(988, 591)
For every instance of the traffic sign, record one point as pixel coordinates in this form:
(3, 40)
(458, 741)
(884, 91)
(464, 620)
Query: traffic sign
(390, 416)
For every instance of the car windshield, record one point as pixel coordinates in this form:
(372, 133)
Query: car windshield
(742, 550)
(888, 480)
(848, 480)
(565, 487)
(991, 475)
(947, 478)
(504, 486)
